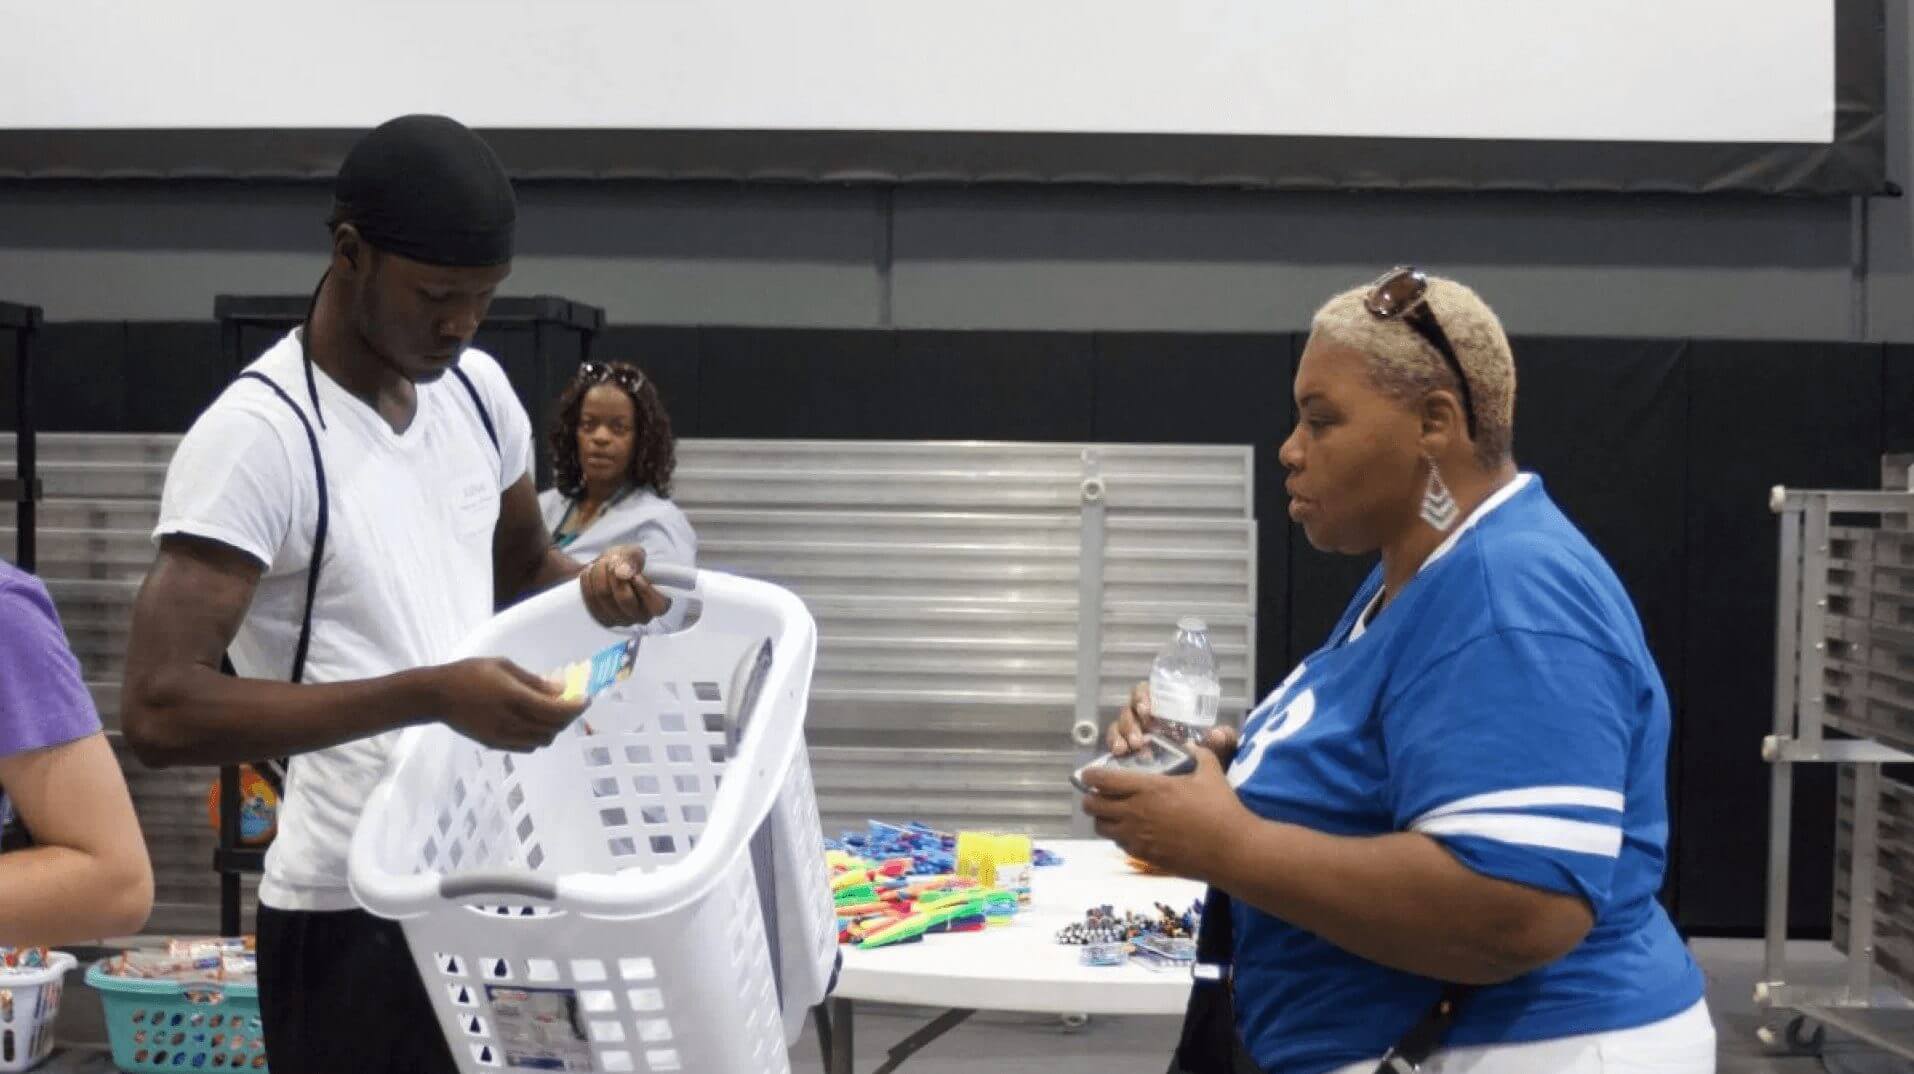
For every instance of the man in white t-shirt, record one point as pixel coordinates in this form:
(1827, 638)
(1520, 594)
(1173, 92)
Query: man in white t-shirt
(335, 522)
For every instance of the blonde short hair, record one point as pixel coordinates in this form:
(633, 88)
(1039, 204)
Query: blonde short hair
(1405, 366)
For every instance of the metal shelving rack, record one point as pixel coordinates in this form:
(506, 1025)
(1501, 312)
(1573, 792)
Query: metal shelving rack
(1844, 662)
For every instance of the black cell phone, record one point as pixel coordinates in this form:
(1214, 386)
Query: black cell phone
(1159, 756)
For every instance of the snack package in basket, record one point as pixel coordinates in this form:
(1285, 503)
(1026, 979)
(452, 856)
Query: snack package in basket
(159, 965)
(210, 946)
(23, 959)
(540, 1028)
(192, 960)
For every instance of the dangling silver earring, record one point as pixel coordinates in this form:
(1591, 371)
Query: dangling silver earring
(1438, 505)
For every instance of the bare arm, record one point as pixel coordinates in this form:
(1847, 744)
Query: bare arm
(176, 706)
(1403, 901)
(1400, 900)
(88, 876)
(524, 560)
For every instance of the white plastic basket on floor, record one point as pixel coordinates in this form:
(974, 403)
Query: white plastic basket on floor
(603, 903)
(29, 1005)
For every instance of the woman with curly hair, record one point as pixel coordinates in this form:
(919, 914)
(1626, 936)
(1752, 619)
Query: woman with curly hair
(612, 458)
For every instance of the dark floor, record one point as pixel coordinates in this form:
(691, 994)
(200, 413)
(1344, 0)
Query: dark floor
(994, 1044)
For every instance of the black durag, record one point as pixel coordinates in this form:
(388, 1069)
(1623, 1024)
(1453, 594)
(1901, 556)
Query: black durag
(429, 189)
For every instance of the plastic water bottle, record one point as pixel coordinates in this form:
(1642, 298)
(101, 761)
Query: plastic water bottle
(1184, 689)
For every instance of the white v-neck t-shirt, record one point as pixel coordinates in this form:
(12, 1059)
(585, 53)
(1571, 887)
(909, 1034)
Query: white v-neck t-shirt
(408, 560)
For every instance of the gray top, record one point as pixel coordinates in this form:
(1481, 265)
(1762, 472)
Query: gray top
(639, 517)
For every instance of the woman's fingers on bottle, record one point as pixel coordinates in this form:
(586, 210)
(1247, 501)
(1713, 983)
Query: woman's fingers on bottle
(1122, 732)
(1137, 720)
(1222, 741)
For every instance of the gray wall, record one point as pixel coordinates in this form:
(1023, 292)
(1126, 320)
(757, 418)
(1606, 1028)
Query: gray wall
(1075, 258)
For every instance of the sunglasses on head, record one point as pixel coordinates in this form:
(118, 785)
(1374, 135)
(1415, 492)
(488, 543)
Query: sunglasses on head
(1403, 292)
(599, 372)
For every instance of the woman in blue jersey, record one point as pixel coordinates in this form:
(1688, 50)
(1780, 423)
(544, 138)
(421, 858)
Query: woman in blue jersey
(1459, 799)
(613, 454)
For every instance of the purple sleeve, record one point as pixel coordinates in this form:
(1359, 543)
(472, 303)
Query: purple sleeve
(43, 699)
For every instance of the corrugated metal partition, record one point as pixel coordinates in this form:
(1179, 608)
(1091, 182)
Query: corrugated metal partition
(945, 578)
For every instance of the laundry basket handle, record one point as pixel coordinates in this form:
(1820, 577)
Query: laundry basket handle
(672, 576)
(503, 882)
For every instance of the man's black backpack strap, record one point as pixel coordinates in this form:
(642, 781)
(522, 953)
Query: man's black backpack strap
(271, 771)
(485, 416)
(319, 528)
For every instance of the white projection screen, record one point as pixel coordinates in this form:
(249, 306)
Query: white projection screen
(1778, 96)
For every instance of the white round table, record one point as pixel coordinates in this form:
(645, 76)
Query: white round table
(1020, 966)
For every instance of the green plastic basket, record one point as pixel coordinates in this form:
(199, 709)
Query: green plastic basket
(165, 1026)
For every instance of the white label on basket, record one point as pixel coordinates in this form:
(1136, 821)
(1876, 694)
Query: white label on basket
(540, 1028)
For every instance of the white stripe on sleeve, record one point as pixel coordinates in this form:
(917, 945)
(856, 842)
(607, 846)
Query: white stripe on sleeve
(1529, 798)
(1552, 833)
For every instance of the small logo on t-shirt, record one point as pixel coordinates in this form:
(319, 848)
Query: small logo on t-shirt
(477, 509)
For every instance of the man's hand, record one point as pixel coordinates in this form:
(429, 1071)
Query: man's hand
(616, 591)
(1180, 824)
(498, 704)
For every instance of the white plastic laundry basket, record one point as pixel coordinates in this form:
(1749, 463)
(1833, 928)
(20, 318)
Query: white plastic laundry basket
(596, 905)
(29, 1004)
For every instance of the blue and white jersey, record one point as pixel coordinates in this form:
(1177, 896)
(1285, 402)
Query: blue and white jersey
(1506, 705)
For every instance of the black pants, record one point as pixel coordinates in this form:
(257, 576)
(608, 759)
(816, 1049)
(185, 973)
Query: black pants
(338, 994)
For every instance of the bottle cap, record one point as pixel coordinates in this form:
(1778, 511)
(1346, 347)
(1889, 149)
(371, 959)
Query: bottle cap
(1192, 624)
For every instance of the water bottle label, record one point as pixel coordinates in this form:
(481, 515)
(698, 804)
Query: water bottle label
(1172, 700)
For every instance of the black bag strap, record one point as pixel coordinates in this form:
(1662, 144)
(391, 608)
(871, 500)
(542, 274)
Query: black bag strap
(1215, 940)
(1417, 1045)
(319, 528)
(273, 771)
(485, 416)
(1208, 1042)
(1215, 937)
(312, 382)
(319, 477)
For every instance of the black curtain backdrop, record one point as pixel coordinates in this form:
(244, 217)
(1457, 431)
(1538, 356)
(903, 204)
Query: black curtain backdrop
(1661, 450)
